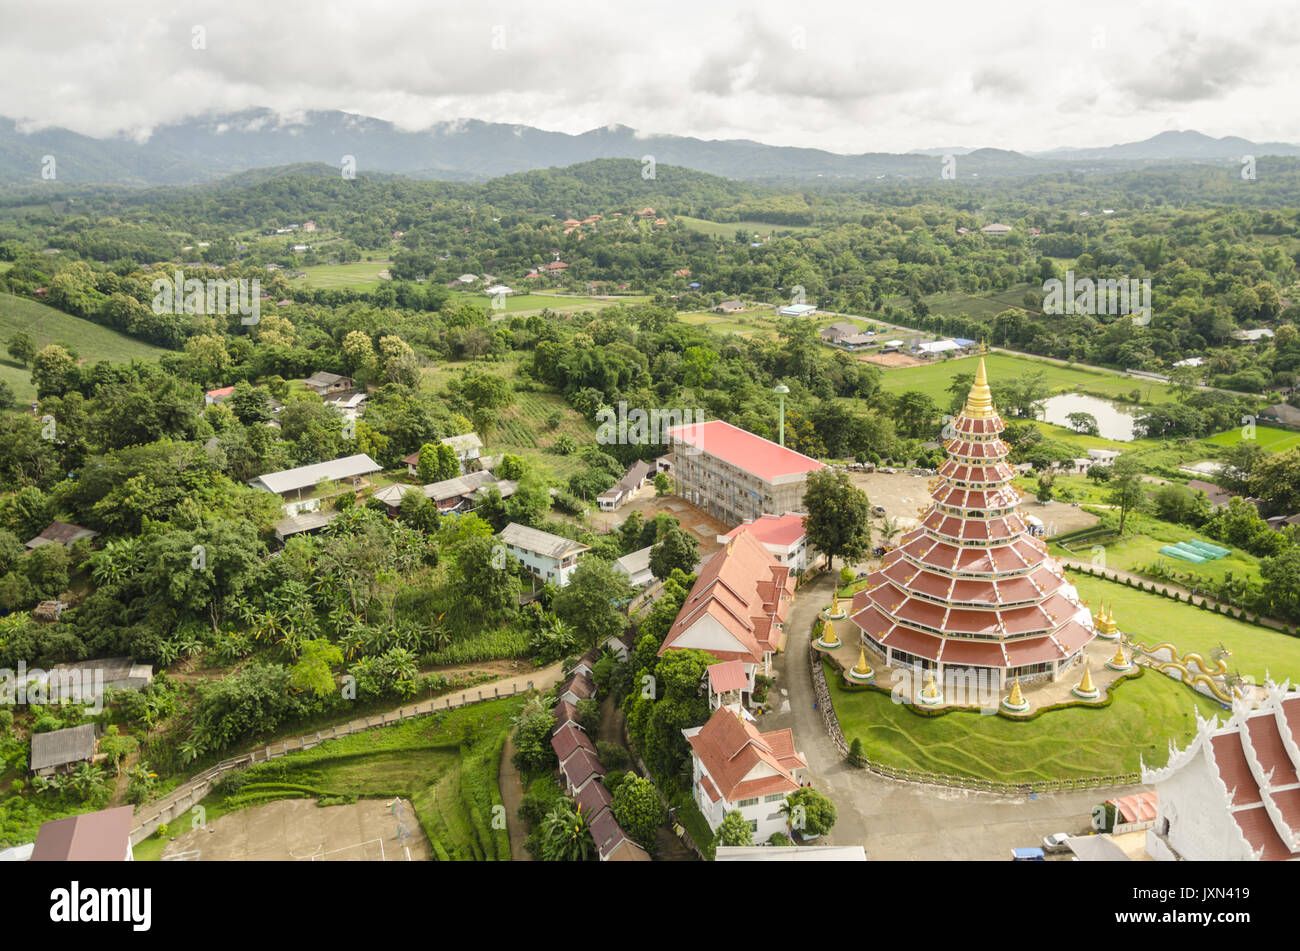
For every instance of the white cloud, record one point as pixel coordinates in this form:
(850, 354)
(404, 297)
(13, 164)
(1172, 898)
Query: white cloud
(843, 76)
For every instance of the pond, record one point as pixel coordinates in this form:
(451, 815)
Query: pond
(1114, 420)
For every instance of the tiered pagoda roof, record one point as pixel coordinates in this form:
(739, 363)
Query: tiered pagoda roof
(970, 586)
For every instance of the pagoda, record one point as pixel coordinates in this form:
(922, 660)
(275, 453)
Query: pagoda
(970, 587)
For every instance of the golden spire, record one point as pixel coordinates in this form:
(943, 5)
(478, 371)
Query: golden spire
(1119, 660)
(862, 667)
(1085, 685)
(1015, 699)
(979, 402)
(828, 634)
(930, 690)
(835, 601)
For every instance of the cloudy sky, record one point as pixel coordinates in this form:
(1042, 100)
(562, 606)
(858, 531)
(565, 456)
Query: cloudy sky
(852, 76)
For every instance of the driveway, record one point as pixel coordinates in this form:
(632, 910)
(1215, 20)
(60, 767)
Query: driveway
(898, 820)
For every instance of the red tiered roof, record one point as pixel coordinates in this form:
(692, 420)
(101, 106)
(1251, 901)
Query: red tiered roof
(970, 585)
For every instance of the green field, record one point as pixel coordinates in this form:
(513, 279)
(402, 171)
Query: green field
(359, 275)
(985, 306)
(933, 378)
(1271, 439)
(1152, 619)
(535, 303)
(1145, 536)
(1147, 712)
(47, 325)
(446, 764)
(728, 229)
(522, 427)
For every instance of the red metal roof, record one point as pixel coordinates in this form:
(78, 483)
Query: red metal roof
(744, 450)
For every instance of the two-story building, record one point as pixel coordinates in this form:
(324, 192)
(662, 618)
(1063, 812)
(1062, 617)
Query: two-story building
(784, 537)
(734, 767)
(552, 558)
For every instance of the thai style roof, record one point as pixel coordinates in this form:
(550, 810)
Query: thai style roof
(1253, 776)
(742, 762)
(969, 585)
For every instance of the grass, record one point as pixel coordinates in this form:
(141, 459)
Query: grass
(1145, 536)
(358, 275)
(985, 306)
(1271, 439)
(47, 325)
(1146, 713)
(933, 378)
(446, 764)
(1151, 619)
(534, 303)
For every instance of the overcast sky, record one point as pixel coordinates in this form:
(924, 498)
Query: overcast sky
(854, 76)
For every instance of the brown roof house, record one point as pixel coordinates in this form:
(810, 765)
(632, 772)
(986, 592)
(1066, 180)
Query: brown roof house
(103, 836)
(63, 533)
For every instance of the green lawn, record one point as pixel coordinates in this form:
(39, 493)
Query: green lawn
(359, 275)
(446, 764)
(47, 325)
(1145, 536)
(933, 378)
(1147, 712)
(1271, 439)
(1152, 619)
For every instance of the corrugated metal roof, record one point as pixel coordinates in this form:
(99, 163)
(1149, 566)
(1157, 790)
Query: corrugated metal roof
(303, 477)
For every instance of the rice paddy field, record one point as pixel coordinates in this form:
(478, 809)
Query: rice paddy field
(1147, 712)
(47, 325)
(979, 306)
(357, 275)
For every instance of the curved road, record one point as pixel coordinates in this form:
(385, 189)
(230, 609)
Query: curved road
(898, 820)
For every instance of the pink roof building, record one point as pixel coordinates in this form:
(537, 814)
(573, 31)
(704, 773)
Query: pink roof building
(782, 535)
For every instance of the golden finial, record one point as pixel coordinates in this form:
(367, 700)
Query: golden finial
(979, 402)
(1015, 699)
(828, 634)
(1085, 685)
(862, 667)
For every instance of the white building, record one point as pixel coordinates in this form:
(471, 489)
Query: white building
(785, 539)
(467, 447)
(637, 567)
(736, 768)
(550, 557)
(1234, 793)
(797, 310)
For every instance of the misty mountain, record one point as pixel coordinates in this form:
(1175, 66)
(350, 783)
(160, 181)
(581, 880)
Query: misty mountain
(208, 148)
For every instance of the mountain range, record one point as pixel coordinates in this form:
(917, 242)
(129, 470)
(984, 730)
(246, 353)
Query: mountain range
(210, 147)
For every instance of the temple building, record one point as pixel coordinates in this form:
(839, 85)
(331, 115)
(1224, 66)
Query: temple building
(971, 588)
(1233, 794)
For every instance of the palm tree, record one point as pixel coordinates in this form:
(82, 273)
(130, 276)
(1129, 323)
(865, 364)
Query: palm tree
(565, 837)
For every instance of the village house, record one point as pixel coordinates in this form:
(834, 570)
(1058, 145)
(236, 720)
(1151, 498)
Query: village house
(636, 565)
(218, 396)
(730, 307)
(623, 490)
(737, 607)
(290, 483)
(325, 383)
(59, 751)
(551, 558)
(728, 683)
(60, 533)
(996, 229)
(735, 768)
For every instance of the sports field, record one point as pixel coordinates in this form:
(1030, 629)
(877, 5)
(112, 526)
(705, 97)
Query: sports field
(47, 325)
(933, 378)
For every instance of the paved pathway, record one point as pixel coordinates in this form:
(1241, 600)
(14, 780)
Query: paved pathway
(898, 820)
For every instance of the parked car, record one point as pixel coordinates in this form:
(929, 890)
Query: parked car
(1056, 842)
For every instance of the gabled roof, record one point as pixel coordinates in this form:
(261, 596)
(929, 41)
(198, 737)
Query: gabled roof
(743, 762)
(465, 485)
(728, 676)
(323, 378)
(540, 542)
(304, 477)
(746, 591)
(753, 454)
(61, 747)
(579, 767)
(779, 530)
(103, 836)
(568, 739)
(64, 533)
(464, 442)
(580, 685)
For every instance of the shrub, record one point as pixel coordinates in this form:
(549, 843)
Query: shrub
(612, 756)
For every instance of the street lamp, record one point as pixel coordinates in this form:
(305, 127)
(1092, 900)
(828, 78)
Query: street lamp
(781, 390)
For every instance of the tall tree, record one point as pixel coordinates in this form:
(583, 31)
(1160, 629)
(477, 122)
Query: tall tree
(1126, 492)
(838, 521)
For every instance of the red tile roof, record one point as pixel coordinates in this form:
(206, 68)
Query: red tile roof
(1139, 807)
(744, 590)
(781, 530)
(728, 676)
(568, 739)
(754, 454)
(744, 762)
